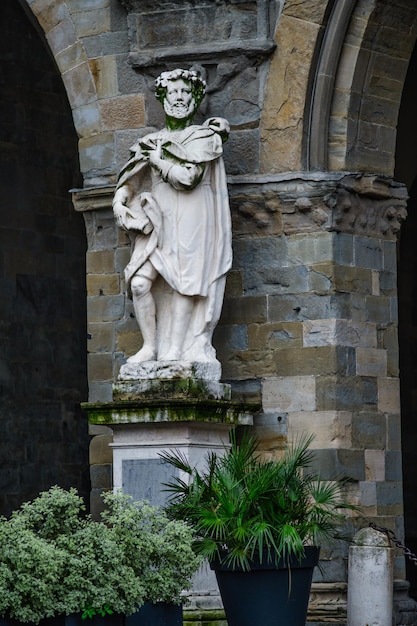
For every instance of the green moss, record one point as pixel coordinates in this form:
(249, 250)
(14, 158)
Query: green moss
(172, 410)
(204, 618)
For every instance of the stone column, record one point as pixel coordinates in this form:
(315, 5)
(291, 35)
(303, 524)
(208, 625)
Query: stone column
(315, 298)
(370, 594)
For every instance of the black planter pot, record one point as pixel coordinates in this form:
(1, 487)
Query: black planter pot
(269, 594)
(161, 614)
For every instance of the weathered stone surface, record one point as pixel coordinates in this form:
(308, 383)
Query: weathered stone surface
(375, 464)
(389, 395)
(123, 112)
(170, 388)
(368, 430)
(331, 429)
(210, 370)
(103, 284)
(322, 361)
(289, 393)
(371, 362)
(100, 337)
(330, 463)
(100, 451)
(284, 102)
(275, 336)
(337, 332)
(100, 366)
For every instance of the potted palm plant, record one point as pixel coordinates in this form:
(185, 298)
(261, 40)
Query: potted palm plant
(260, 524)
(56, 562)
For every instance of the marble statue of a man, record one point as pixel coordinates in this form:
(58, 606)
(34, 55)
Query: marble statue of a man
(181, 230)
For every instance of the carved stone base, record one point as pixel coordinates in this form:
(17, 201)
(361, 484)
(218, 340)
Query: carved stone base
(202, 370)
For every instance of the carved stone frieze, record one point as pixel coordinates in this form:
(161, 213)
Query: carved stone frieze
(369, 205)
(359, 204)
(173, 31)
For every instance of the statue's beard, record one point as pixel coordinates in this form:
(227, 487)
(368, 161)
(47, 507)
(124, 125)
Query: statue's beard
(179, 110)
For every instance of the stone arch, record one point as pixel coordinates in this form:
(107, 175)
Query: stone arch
(56, 21)
(368, 87)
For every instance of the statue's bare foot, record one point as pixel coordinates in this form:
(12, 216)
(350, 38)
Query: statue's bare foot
(145, 354)
(173, 354)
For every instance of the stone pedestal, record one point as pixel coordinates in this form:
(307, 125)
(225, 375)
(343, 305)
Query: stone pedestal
(147, 417)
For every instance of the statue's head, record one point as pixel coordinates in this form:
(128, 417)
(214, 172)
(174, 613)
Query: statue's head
(180, 93)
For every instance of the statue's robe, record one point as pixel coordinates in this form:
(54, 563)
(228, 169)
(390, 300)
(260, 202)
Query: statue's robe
(190, 244)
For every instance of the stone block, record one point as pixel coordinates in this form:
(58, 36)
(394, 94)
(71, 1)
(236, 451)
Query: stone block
(309, 249)
(369, 387)
(343, 249)
(353, 279)
(371, 362)
(231, 337)
(71, 56)
(100, 366)
(394, 310)
(369, 253)
(121, 258)
(275, 336)
(123, 112)
(378, 309)
(389, 395)
(100, 391)
(321, 278)
(103, 284)
(91, 23)
(309, 12)
(115, 43)
(390, 256)
(248, 309)
(389, 498)
(337, 332)
(339, 393)
(295, 308)
(79, 84)
(101, 476)
(289, 393)
(265, 252)
(246, 390)
(393, 466)
(105, 308)
(49, 14)
(374, 465)
(100, 337)
(234, 287)
(368, 496)
(129, 342)
(104, 74)
(275, 280)
(332, 429)
(100, 451)
(332, 464)
(96, 152)
(100, 261)
(369, 430)
(284, 103)
(394, 432)
(320, 361)
(87, 119)
(248, 364)
(241, 152)
(388, 283)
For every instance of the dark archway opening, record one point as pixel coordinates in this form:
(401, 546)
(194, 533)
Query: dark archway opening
(406, 171)
(43, 376)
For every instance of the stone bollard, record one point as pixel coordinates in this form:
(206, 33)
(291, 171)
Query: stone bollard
(370, 580)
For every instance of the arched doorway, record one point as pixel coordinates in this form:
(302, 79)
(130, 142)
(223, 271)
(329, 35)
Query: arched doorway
(406, 171)
(42, 273)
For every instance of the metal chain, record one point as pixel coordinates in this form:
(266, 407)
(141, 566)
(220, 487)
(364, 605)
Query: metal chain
(391, 537)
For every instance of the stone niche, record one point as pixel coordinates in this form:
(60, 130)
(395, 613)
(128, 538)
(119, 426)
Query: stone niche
(173, 30)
